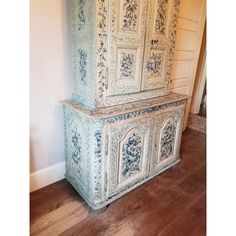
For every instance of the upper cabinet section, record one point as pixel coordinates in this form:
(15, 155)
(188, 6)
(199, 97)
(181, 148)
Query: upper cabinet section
(122, 49)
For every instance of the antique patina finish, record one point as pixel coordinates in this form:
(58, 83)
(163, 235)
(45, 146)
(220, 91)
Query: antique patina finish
(123, 125)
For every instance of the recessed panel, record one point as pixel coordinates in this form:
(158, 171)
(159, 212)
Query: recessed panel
(155, 62)
(126, 64)
(167, 140)
(161, 17)
(130, 155)
(129, 15)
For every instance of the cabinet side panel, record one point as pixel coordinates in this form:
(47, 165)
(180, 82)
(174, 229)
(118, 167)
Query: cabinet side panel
(83, 50)
(78, 148)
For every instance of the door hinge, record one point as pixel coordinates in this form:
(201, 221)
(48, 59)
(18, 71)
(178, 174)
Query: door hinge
(106, 144)
(105, 185)
(106, 78)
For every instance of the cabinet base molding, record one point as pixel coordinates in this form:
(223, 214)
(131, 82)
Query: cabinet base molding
(110, 151)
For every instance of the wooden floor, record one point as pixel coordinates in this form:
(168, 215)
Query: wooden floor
(172, 203)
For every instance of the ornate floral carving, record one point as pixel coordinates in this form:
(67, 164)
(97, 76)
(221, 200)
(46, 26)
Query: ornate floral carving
(144, 112)
(131, 155)
(82, 65)
(81, 22)
(127, 65)
(167, 140)
(130, 8)
(75, 147)
(161, 17)
(155, 62)
(97, 164)
(172, 37)
(101, 47)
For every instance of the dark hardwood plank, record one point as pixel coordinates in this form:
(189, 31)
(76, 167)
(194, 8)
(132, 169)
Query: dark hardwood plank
(50, 198)
(172, 203)
(191, 222)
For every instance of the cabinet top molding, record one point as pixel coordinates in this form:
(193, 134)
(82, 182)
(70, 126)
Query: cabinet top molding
(103, 113)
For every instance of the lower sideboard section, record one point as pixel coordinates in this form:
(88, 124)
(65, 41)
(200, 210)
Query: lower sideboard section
(107, 157)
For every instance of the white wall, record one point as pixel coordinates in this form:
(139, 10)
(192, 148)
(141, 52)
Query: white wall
(50, 80)
(190, 28)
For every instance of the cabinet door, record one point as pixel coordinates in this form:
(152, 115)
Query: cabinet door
(128, 154)
(160, 40)
(168, 131)
(126, 44)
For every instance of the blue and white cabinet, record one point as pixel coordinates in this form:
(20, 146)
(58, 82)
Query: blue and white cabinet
(110, 151)
(123, 126)
(122, 50)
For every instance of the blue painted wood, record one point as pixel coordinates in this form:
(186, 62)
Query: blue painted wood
(94, 139)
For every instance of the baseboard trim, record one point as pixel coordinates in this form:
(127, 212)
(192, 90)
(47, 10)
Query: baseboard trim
(46, 176)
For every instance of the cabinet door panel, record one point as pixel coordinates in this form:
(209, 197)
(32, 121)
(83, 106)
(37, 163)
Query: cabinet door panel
(160, 35)
(126, 44)
(168, 131)
(129, 154)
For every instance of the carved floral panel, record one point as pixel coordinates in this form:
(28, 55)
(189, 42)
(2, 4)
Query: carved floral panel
(76, 148)
(130, 14)
(81, 14)
(82, 65)
(167, 143)
(131, 155)
(127, 65)
(161, 17)
(155, 62)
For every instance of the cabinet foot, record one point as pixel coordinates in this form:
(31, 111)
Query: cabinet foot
(98, 211)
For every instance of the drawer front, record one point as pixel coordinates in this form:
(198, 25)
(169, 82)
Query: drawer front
(167, 138)
(129, 153)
